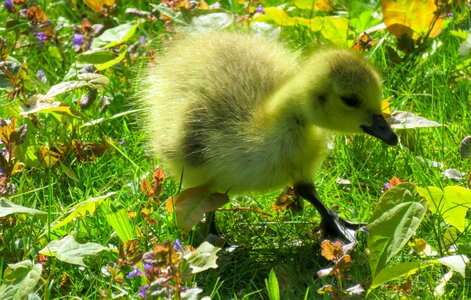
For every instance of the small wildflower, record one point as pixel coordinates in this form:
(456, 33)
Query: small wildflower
(142, 40)
(9, 6)
(135, 272)
(177, 245)
(41, 75)
(41, 36)
(260, 9)
(148, 268)
(77, 41)
(143, 291)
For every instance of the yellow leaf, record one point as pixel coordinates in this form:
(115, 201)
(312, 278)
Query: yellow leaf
(314, 5)
(99, 5)
(414, 19)
(7, 130)
(386, 107)
(80, 210)
(335, 30)
(3, 50)
(275, 15)
(452, 203)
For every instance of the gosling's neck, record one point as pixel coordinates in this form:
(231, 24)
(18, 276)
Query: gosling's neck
(286, 109)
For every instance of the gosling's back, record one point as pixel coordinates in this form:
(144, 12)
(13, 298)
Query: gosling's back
(203, 98)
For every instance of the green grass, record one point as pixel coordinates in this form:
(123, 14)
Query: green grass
(430, 83)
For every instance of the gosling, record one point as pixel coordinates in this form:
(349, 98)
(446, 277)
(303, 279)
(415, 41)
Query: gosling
(238, 112)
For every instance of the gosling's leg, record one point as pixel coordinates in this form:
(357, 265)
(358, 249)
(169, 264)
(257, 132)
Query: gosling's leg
(332, 225)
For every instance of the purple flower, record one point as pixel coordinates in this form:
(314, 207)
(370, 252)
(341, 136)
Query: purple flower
(142, 40)
(143, 291)
(135, 272)
(260, 9)
(9, 6)
(41, 36)
(78, 40)
(41, 75)
(148, 268)
(177, 245)
(386, 185)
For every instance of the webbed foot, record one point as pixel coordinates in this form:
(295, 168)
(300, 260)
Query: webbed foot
(334, 227)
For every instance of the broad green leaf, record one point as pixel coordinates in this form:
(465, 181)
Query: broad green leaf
(452, 203)
(456, 263)
(114, 36)
(68, 250)
(403, 16)
(203, 258)
(65, 87)
(8, 208)
(74, 70)
(212, 22)
(96, 56)
(408, 120)
(397, 271)
(393, 223)
(273, 288)
(20, 279)
(51, 107)
(80, 210)
(118, 220)
(176, 16)
(112, 62)
(97, 80)
(88, 80)
(191, 204)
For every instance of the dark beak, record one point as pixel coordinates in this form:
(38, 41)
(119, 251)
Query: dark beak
(381, 130)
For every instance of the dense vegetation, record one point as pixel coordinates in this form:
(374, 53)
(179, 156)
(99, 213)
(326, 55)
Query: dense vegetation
(83, 212)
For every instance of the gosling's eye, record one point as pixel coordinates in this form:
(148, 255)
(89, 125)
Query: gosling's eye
(351, 101)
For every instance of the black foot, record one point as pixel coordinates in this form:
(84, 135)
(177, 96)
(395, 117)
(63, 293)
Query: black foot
(207, 232)
(333, 227)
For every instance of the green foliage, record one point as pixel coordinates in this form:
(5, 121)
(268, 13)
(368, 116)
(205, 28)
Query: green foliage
(79, 211)
(272, 286)
(203, 258)
(120, 223)
(115, 36)
(393, 223)
(69, 251)
(20, 279)
(451, 203)
(457, 263)
(7, 208)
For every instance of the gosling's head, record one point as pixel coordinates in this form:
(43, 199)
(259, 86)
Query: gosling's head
(346, 91)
